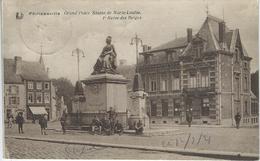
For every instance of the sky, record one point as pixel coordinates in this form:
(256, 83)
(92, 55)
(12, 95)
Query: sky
(56, 36)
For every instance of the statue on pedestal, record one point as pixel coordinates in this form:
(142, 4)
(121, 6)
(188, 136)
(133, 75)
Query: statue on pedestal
(106, 63)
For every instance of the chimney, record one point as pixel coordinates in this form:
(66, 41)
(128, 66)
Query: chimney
(18, 64)
(221, 32)
(189, 35)
(145, 48)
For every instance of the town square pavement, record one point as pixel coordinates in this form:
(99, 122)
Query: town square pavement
(244, 140)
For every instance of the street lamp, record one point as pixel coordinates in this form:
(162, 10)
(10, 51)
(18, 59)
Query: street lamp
(136, 40)
(78, 52)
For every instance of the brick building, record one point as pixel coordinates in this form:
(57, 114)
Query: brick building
(207, 73)
(28, 89)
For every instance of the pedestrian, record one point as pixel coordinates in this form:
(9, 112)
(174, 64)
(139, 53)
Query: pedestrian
(43, 123)
(119, 128)
(237, 119)
(139, 128)
(189, 118)
(20, 120)
(10, 121)
(63, 121)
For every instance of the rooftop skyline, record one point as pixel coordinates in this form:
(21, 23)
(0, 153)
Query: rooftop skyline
(162, 21)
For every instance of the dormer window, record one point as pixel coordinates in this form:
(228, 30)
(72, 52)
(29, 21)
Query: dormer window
(197, 49)
(147, 59)
(169, 56)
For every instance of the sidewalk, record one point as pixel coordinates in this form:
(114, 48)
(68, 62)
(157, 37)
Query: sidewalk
(201, 153)
(244, 140)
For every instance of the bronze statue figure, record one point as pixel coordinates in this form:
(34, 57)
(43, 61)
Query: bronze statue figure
(106, 63)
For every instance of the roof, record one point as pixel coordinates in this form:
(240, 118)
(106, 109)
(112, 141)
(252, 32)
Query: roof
(178, 42)
(29, 71)
(209, 32)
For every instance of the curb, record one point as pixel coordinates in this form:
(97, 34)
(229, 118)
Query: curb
(202, 153)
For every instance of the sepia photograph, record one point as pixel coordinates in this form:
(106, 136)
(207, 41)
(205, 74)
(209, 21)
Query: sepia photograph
(130, 79)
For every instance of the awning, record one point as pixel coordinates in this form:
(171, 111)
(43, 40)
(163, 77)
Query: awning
(38, 110)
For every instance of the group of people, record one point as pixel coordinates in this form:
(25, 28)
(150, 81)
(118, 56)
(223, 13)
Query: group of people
(107, 126)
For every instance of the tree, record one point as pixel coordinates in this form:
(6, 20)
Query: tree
(64, 88)
(255, 83)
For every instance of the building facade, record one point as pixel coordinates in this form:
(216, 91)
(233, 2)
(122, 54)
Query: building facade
(207, 74)
(27, 89)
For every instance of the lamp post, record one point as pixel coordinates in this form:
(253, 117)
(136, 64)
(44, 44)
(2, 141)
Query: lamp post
(136, 40)
(78, 52)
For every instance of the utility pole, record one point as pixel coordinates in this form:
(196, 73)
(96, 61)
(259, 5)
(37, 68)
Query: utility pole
(78, 52)
(136, 40)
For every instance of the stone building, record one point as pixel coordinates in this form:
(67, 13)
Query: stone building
(28, 89)
(207, 73)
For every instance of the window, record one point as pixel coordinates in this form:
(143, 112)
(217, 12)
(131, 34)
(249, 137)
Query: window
(245, 82)
(205, 107)
(30, 97)
(38, 97)
(254, 108)
(164, 85)
(204, 79)
(164, 107)
(153, 85)
(13, 89)
(46, 85)
(46, 97)
(236, 88)
(30, 85)
(192, 80)
(39, 85)
(245, 65)
(153, 108)
(176, 82)
(14, 100)
(246, 112)
(177, 107)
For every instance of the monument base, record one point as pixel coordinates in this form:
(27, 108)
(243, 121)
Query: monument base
(103, 92)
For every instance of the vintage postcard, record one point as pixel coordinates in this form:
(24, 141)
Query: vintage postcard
(132, 79)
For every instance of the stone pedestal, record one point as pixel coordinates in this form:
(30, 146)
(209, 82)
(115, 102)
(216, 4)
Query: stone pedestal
(138, 111)
(103, 91)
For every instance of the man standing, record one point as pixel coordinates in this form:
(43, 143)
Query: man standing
(20, 121)
(63, 122)
(189, 118)
(237, 119)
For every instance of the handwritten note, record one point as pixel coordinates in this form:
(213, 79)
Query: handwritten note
(185, 141)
